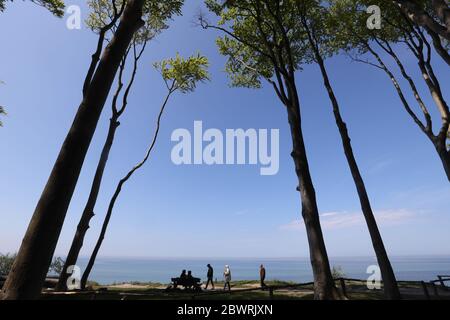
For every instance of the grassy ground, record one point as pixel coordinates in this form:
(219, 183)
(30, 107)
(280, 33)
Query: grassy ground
(241, 290)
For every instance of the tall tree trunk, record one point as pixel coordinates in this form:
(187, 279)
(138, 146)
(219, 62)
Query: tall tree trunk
(31, 265)
(324, 288)
(440, 49)
(99, 242)
(435, 90)
(444, 155)
(116, 194)
(88, 212)
(391, 290)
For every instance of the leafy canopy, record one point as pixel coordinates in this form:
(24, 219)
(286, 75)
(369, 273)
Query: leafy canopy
(6, 262)
(155, 14)
(183, 74)
(2, 112)
(262, 37)
(54, 6)
(350, 17)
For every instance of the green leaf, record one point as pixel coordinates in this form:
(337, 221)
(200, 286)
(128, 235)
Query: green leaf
(183, 74)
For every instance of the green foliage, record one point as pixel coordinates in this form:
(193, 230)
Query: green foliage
(2, 109)
(2, 112)
(6, 262)
(244, 68)
(156, 16)
(256, 32)
(262, 37)
(183, 74)
(349, 19)
(338, 272)
(54, 6)
(56, 266)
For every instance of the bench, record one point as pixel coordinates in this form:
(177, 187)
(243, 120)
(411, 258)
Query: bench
(442, 279)
(188, 284)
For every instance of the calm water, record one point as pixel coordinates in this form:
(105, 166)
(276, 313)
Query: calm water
(110, 270)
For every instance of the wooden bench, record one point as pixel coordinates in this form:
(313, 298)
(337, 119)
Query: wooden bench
(188, 284)
(442, 279)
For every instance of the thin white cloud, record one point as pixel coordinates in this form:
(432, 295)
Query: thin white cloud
(241, 212)
(343, 219)
(293, 225)
(329, 214)
(380, 166)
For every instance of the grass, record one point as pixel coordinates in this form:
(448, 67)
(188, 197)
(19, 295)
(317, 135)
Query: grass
(356, 290)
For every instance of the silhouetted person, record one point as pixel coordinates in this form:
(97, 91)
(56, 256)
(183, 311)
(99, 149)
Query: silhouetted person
(210, 275)
(227, 277)
(262, 275)
(189, 279)
(181, 280)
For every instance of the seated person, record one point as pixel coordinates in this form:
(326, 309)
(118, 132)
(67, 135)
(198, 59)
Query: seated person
(180, 280)
(189, 280)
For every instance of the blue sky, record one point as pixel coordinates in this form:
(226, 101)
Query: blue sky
(213, 211)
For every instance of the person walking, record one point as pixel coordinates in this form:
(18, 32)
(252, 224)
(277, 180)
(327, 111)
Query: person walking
(262, 275)
(227, 277)
(210, 275)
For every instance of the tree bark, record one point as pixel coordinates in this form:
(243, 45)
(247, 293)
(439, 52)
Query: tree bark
(422, 18)
(442, 11)
(390, 286)
(439, 47)
(444, 156)
(31, 265)
(440, 140)
(324, 288)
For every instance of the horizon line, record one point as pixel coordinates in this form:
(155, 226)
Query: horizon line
(261, 258)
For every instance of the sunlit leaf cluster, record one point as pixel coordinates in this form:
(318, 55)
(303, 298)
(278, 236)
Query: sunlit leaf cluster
(183, 74)
(156, 16)
(54, 6)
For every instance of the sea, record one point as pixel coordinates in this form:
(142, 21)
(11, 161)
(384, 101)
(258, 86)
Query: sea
(109, 270)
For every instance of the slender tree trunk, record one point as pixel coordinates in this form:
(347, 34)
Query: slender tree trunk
(435, 30)
(436, 93)
(31, 265)
(442, 11)
(116, 194)
(324, 288)
(422, 18)
(94, 254)
(444, 156)
(438, 46)
(88, 212)
(437, 141)
(391, 290)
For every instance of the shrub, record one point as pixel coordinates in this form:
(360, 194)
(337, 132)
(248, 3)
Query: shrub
(6, 262)
(337, 272)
